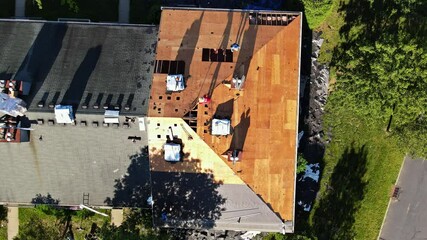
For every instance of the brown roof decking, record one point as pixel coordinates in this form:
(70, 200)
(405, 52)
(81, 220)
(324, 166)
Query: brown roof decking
(263, 114)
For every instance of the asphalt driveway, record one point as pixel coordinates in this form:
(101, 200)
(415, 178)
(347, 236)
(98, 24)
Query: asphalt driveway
(407, 217)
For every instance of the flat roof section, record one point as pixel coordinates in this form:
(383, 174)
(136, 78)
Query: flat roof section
(70, 161)
(80, 64)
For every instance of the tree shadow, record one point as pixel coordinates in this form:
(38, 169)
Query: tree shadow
(184, 195)
(133, 189)
(41, 57)
(334, 217)
(74, 93)
(45, 199)
(188, 44)
(222, 45)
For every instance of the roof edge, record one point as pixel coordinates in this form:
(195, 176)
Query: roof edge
(297, 119)
(24, 20)
(227, 10)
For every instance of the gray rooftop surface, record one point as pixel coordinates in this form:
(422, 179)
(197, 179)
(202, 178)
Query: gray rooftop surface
(80, 63)
(72, 160)
(194, 200)
(407, 217)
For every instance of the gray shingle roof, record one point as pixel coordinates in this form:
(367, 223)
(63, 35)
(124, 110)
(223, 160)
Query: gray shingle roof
(72, 160)
(78, 63)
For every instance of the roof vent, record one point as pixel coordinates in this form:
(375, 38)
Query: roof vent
(235, 47)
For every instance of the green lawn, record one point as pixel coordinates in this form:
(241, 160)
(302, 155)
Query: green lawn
(360, 166)
(3, 232)
(80, 226)
(95, 10)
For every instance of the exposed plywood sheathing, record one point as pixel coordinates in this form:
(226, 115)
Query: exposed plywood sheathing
(263, 114)
(198, 157)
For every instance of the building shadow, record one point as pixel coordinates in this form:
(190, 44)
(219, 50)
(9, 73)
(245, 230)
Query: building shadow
(334, 216)
(240, 131)
(5, 75)
(133, 189)
(40, 57)
(224, 110)
(74, 93)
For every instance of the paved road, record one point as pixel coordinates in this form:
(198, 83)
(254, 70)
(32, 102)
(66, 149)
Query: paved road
(12, 222)
(407, 217)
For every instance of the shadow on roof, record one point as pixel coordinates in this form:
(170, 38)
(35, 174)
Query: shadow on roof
(188, 44)
(41, 199)
(41, 57)
(185, 198)
(75, 91)
(223, 45)
(240, 131)
(133, 189)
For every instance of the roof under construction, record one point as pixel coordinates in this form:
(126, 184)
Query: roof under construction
(256, 88)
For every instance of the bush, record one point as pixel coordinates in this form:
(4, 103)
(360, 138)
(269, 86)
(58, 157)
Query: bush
(316, 11)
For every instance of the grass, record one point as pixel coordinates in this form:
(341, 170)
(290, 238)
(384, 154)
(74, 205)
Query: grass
(3, 231)
(317, 11)
(365, 211)
(80, 227)
(95, 10)
(7, 8)
(330, 32)
(360, 164)
(376, 154)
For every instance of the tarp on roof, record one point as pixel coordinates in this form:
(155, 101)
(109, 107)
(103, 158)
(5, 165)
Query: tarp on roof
(220, 127)
(172, 152)
(12, 106)
(175, 83)
(64, 114)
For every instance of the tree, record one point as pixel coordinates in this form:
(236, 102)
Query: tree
(36, 229)
(301, 163)
(3, 213)
(72, 4)
(382, 63)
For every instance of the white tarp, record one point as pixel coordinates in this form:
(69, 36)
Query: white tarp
(64, 114)
(220, 127)
(175, 83)
(111, 116)
(12, 106)
(172, 152)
